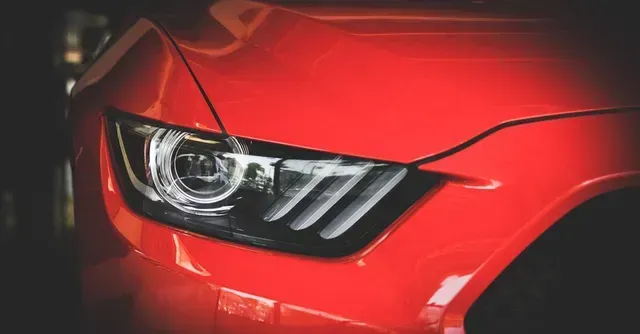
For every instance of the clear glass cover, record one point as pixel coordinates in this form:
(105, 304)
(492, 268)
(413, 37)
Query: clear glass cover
(258, 193)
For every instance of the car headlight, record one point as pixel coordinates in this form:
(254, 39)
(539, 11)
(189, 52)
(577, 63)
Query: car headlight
(259, 193)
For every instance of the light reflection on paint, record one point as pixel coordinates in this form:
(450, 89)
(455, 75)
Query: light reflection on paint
(184, 260)
(448, 289)
(489, 185)
(271, 312)
(110, 185)
(247, 306)
(431, 314)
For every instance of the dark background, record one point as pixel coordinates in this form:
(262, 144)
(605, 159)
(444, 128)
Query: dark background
(45, 47)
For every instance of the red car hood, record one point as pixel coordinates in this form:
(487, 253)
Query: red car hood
(393, 84)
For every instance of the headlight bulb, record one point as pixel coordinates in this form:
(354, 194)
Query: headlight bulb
(190, 172)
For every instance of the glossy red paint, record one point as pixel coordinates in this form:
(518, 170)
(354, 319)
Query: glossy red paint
(422, 273)
(354, 77)
(158, 85)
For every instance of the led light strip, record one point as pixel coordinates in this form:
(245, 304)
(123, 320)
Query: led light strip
(141, 187)
(363, 203)
(285, 203)
(321, 205)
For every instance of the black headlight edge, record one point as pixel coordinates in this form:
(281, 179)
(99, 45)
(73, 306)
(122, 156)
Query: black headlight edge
(393, 205)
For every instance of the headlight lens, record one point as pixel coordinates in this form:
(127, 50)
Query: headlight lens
(192, 173)
(258, 193)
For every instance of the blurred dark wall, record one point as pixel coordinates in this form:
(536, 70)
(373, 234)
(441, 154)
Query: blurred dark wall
(31, 143)
(31, 121)
(33, 137)
(39, 286)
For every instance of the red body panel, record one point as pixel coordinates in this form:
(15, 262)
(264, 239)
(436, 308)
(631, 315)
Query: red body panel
(422, 273)
(339, 80)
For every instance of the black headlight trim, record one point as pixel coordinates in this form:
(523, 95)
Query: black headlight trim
(238, 227)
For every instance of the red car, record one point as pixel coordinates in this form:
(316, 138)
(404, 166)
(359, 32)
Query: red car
(294, 167)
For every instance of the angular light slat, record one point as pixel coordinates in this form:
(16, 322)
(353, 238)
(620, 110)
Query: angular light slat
(364, 202)
(330, 197)
(300, 189)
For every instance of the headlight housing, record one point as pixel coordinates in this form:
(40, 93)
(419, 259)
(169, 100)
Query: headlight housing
(259, 193)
